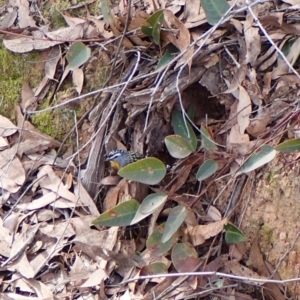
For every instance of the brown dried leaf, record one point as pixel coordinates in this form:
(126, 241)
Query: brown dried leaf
(12, 176)
(42, 89)
(7, 128)
(72, 21)
(292, 2)
(252, 39)
(42, 291)
(82, 194)
(242, 149)
(258, 126)
(52, 60)
(8, 20)
(94, 242)
(110, 180)
(3, 143)
(53, 248)
(30, 146)
(235, 137)
(212, 61)
(191, 219)
(117, 29)
(78, 78)
(256, 258)
(209, 81)
(197, 21)
(24, 15)
(181, 178)
(29, 101)
(50, 181)
(239, 76)
(66, 34)
(38, 41)
(293, 55)
(194, 14)
(200, 233)
(214, 213)
(11, 222)
(38, 203)
(44, 215)
(17, 255)
(114, 194)
(48, 159)
(179, 36)
(100, 25)
(22, 265)
(239, 270)
(237, 25)
(244, 109)
(56, 230)
(237, 251)
(209, 42)
(5, 240)
(95, 278)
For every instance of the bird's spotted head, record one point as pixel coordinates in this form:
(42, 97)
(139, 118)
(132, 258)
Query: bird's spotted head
(115, 158)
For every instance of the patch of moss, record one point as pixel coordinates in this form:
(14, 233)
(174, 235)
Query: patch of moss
(271, 175)
(55, 18)
(95, 8)
(55, 123)
(96, 70)
(54, 13)
(267, 234)
(15, 69)
(96, 79)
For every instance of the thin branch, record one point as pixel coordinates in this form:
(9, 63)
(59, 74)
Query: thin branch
(205, 274)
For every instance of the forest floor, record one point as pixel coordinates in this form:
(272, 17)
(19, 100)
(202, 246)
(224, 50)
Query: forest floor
(207, 92)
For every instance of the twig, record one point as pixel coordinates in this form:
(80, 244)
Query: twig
(80, 5)
(203, 274)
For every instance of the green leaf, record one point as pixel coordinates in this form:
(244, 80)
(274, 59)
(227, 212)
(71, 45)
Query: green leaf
(174, 221)
(177, 146)
(154, 243)
(233, 235)
(146, 30)
(105, 10)
(186, 132)
(167, 57)
(289, 146)
(184, 257)
(214, 10)
(154, 268)
(287, 47)
(266, 154)
(77, 55)
(148, 206)
(153, 19)
(207, 169)
(207, 143)
(149, 170)
(120, 215)
(156, 22)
